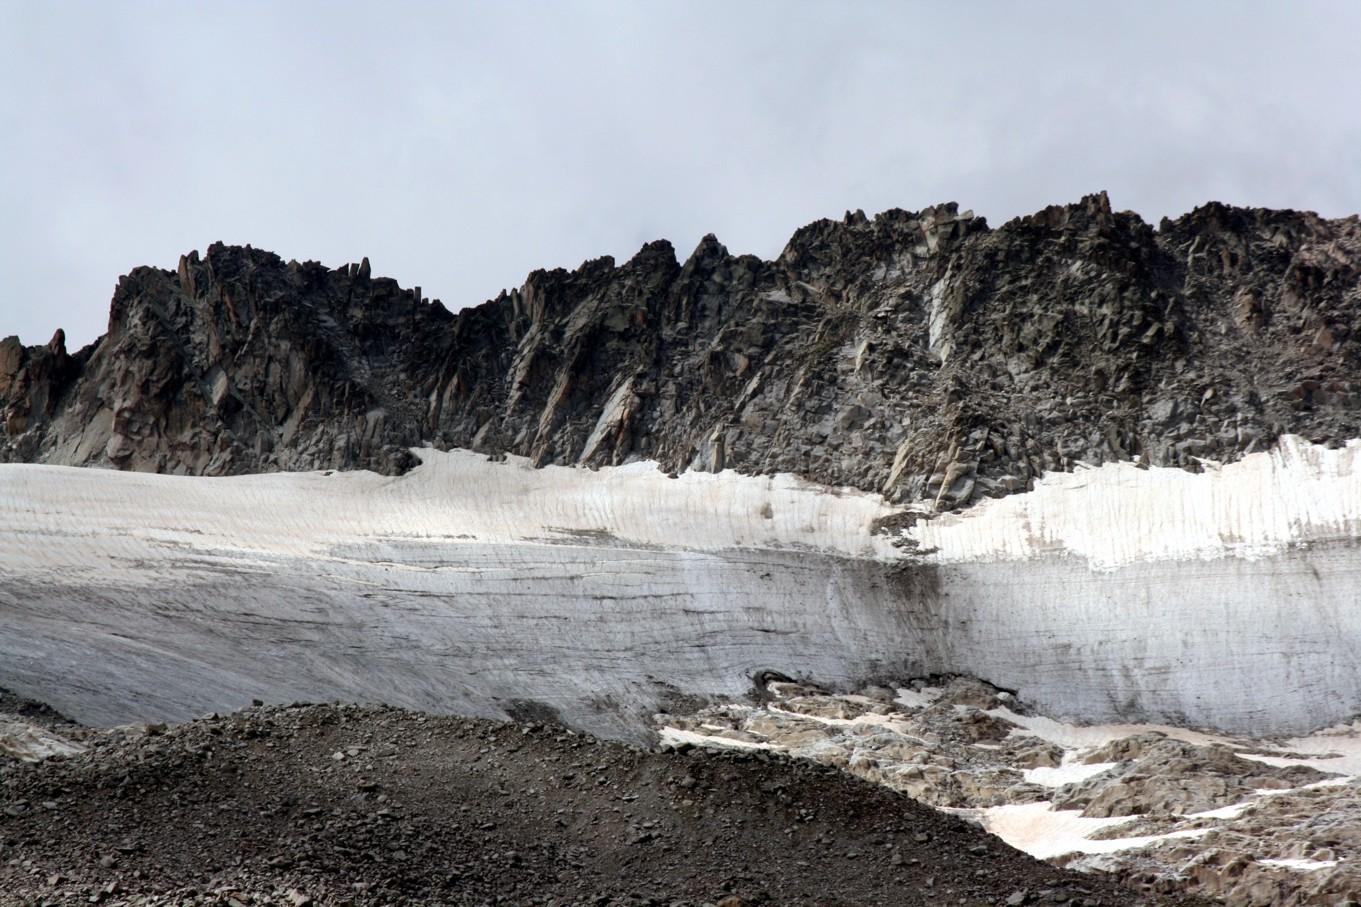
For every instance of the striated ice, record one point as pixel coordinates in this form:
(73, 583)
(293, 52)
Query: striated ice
(1226, 600)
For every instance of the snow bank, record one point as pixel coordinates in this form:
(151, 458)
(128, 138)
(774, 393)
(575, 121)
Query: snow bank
(1045, 833)
(1227, 599)
(1120, 514)
(452, 498)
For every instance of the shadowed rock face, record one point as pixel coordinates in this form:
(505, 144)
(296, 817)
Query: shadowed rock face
(922, 355)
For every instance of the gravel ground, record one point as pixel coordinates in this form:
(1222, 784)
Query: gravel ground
(326, 804)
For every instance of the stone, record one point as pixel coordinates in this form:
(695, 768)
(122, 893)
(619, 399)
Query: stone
(921, 354)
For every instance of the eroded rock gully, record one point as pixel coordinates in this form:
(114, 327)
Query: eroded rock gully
(920, 354)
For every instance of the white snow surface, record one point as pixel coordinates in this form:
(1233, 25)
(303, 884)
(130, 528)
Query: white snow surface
(674, 737)
(465, 585)
(1333, 749)
(1120, 514)
(1229, 599)
(1070, 772)
(1300, 865)
(452, 497)
(1045, 833)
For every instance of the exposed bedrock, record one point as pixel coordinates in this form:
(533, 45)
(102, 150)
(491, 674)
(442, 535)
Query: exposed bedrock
(918, 354)
(496, 588)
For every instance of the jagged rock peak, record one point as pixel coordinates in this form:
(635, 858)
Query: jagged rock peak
(921, 354)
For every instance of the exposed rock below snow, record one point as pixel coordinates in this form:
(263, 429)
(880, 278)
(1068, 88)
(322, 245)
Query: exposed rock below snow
(1168, 809)
(1154, 779)
(918, 354)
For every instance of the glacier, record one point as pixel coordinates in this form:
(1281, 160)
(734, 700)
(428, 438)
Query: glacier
(1228, 599)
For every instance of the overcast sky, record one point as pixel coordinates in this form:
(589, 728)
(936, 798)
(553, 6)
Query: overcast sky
(459, 146)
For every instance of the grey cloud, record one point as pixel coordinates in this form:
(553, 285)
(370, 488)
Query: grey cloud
(460, 146)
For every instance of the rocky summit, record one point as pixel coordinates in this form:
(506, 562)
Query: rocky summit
(918, 354)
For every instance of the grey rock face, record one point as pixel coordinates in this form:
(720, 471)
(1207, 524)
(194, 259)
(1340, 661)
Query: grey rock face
(918, 354)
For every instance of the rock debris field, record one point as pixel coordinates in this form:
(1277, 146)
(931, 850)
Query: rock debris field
(1251, 822)
(327, 804)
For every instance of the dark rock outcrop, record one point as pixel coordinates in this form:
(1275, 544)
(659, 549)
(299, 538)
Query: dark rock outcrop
(919, 354)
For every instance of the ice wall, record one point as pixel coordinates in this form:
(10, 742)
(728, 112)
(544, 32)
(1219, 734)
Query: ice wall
(492, 588)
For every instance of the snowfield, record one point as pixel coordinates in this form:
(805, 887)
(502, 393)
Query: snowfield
(1120, 515)
(1229, 599)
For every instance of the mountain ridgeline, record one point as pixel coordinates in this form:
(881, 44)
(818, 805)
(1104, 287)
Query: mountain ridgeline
(918, 354)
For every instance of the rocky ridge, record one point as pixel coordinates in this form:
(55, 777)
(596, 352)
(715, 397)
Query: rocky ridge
(919, 354)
